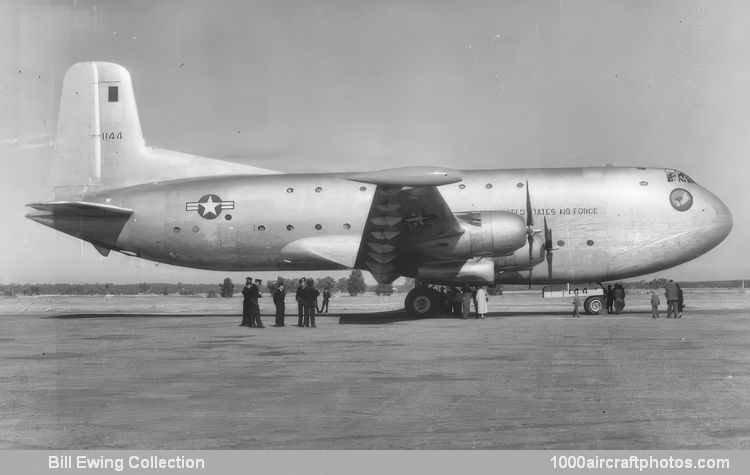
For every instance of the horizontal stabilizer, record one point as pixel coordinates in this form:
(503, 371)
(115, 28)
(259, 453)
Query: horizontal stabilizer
(97, 223)
(80, 208)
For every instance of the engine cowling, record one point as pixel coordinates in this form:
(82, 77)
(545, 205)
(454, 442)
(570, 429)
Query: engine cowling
(519, 260)
(482, 271)
(490, 233)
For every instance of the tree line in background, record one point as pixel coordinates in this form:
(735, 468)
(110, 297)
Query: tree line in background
(353, 285)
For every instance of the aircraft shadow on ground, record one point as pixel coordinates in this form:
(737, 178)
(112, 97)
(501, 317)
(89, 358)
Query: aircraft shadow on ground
(365, 318)
(392, 316)
(73, 316)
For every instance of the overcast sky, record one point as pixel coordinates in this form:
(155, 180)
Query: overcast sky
(341, 85)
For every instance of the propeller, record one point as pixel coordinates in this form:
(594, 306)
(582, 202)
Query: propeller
(529, 229)
(530, 232)
(548, 247)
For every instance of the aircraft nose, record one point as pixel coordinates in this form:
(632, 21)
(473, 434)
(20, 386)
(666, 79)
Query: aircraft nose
(720, 219)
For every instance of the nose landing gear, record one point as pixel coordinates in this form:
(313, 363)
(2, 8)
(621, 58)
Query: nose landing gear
(593, 305)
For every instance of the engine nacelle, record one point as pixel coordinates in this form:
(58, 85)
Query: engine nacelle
(499, 233)
(519, 260)
(482, 271)
(487, 234)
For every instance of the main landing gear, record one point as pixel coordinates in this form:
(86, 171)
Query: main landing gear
(424, 302)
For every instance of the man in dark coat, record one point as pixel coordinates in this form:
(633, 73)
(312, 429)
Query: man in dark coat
(672, 293)
(610, 295)
(247, 320)
(254, 293)
(298, 297)
(279, 294)
(457, 301)
(309, 301)
(444, 300)
(326, 298)
(619, 294)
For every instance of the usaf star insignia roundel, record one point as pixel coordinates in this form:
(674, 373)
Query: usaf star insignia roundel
(209, 206)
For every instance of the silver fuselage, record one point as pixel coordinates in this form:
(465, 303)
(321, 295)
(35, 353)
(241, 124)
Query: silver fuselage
(607, 223)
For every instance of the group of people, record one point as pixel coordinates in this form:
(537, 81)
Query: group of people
(458, 301)
(307, 302)
(673, 294)
(615, 298)
(250, 305)
(306, 297)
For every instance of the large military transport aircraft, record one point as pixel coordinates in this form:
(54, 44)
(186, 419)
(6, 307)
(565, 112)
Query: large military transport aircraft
(438, 225)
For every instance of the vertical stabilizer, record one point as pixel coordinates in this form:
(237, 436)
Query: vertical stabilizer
(98, 130)
(119, 127)
(99, 142)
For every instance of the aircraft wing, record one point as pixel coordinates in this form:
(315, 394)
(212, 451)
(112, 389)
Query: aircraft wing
(408, 222)
(94, 222)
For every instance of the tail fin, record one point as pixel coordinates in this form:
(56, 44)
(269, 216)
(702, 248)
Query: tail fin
(98, 129)
(99, 141)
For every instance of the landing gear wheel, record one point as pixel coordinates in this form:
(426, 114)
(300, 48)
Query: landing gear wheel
(593, 305)
(422, 302)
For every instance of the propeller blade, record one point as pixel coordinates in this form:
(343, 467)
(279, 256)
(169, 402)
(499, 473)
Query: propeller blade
(531, 246)
(529, 228)
(548, 247)
(529, 216)
(531, 255)
(549, 264)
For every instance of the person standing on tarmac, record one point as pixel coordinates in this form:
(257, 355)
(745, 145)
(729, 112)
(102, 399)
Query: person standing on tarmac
(309, 301)
(474, 300)
(246, 306)
(279, 294)
(466, 296)
(619, 296)
(298, 297)
(456, 300)
(610, 299)
(326, 298)
(680, 300)
(654, 304)
(482, 299)
(255, 295)
(672, 295)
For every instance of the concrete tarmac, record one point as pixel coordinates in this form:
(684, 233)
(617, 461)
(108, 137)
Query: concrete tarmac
(521, 379)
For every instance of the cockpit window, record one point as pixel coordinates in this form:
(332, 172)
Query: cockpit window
(677, 176)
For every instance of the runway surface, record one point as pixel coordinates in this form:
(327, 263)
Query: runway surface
(85, 373)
